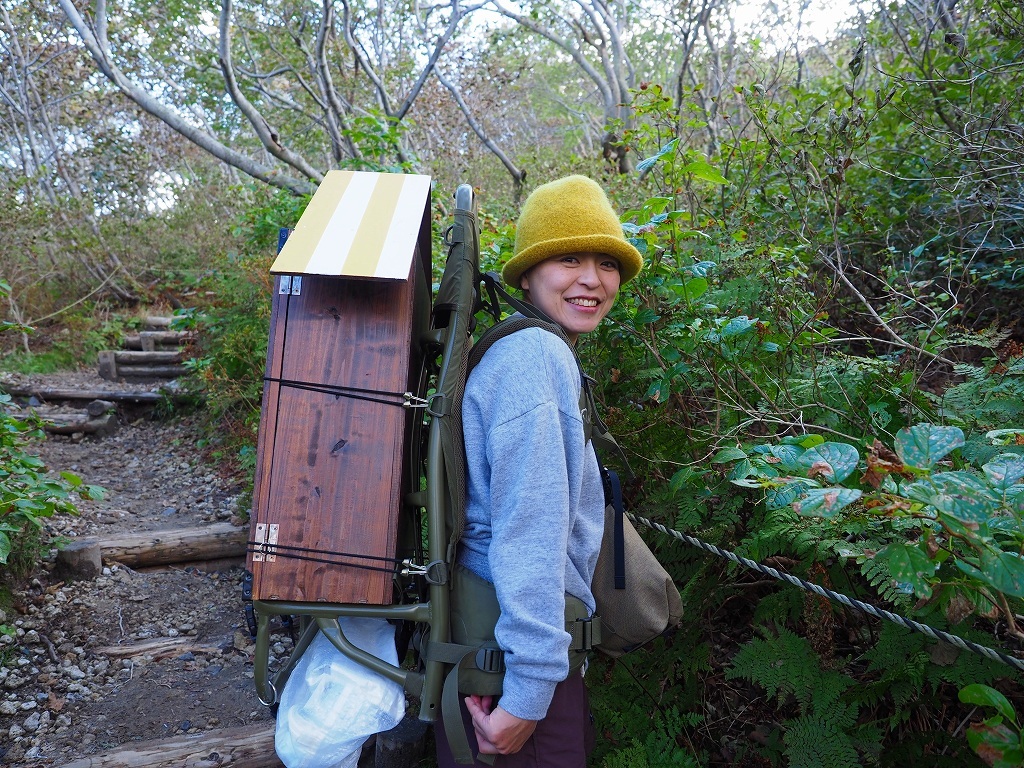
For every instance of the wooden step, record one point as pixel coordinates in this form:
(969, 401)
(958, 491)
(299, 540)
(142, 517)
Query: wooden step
(117, 396)
(62, 422)
(115, 365)
(130, 357)
(149, 341)
(248, 746)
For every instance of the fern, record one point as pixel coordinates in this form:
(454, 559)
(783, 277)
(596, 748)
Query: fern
(660, 748)
(817, 742)
(879, 576)
(784, 532)
(783, 607)
(786, 665)
(987, 398)
(825, 732)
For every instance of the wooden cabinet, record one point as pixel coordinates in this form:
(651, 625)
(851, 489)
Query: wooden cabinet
(332, 459)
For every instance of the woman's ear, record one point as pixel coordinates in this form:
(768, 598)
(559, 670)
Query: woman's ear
(524, 281)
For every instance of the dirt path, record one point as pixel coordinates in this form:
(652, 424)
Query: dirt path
(69, 688)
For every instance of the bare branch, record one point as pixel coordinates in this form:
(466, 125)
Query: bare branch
(518, 175)
(98, 48)
(267, 135)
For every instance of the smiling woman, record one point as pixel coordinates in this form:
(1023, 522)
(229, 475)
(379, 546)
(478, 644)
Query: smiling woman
(535, 504)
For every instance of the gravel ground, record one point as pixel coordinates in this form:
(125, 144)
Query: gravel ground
(70, 687)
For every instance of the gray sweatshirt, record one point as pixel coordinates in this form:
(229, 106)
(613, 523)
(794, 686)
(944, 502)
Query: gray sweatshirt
(535, 513)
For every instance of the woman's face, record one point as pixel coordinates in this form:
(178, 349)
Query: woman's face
(576, 290)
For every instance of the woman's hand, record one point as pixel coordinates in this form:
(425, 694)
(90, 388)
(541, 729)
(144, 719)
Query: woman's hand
(497, 732)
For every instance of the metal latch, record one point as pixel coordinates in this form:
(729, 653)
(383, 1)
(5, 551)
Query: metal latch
(290, 284)
(266, 539)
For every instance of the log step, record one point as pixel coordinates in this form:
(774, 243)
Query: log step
(114, 365)
(157, 323)
(148, 341)
(117, 396)
(176, 545)
(58, 422)
(129, 357)
(249, 746)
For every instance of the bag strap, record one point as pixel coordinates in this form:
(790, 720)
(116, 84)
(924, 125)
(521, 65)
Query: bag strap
(594, 428)
(613, 496)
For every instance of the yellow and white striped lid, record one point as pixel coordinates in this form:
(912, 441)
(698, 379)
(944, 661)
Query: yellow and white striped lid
(358, 224)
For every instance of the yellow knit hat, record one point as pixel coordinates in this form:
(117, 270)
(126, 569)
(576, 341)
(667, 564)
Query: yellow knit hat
(570, 215)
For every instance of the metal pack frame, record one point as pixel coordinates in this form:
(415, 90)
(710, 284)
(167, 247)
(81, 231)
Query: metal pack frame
(423, 586)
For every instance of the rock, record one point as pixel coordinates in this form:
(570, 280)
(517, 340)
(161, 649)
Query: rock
(32, 722)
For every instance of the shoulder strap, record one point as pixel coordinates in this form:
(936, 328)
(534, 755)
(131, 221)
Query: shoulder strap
(594, 428)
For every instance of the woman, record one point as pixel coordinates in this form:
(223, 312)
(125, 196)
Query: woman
(535, 509)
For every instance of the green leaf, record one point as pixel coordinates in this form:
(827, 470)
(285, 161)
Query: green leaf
(1004, 470)
(695, 288)
(728, 454)
(839, 458)
(879, 412)
(681, 478)
(1004, 571)
(788, 455)
(72, 479)
(737, 326)
(742, 470)
(804, 441)
(957, 494)
(701, 169)
(923, 445)
(659, 391)
(646, 316)
(778, 498)
(910, 566)
(649, 162)
(826, 502)
(984, 696)
(701, 268)
(1003, 436)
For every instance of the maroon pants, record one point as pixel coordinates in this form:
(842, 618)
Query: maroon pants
(563, 739)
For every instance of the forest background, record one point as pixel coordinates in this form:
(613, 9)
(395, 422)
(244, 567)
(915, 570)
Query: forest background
(820, 368)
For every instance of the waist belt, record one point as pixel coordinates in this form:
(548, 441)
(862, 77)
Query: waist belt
(478, 664)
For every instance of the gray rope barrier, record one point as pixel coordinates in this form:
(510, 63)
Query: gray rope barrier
(879, 613)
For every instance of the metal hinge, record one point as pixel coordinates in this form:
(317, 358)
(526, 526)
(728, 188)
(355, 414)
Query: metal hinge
(265, 539)
(290, 284)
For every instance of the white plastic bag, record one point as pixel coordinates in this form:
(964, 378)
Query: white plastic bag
(331, 704)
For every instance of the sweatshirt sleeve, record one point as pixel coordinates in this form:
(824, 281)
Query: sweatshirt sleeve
(532, 456)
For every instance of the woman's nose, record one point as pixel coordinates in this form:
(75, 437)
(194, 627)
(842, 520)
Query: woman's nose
(589, 273)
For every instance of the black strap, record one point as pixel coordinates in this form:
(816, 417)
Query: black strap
(337, 390)
(613, 496)
(331, 557)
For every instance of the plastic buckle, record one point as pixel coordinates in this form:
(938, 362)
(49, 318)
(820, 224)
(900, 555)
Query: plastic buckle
(590, 633)
(250, 611)
(490, 660)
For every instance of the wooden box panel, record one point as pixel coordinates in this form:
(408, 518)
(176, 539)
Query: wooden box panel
(330, 467)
